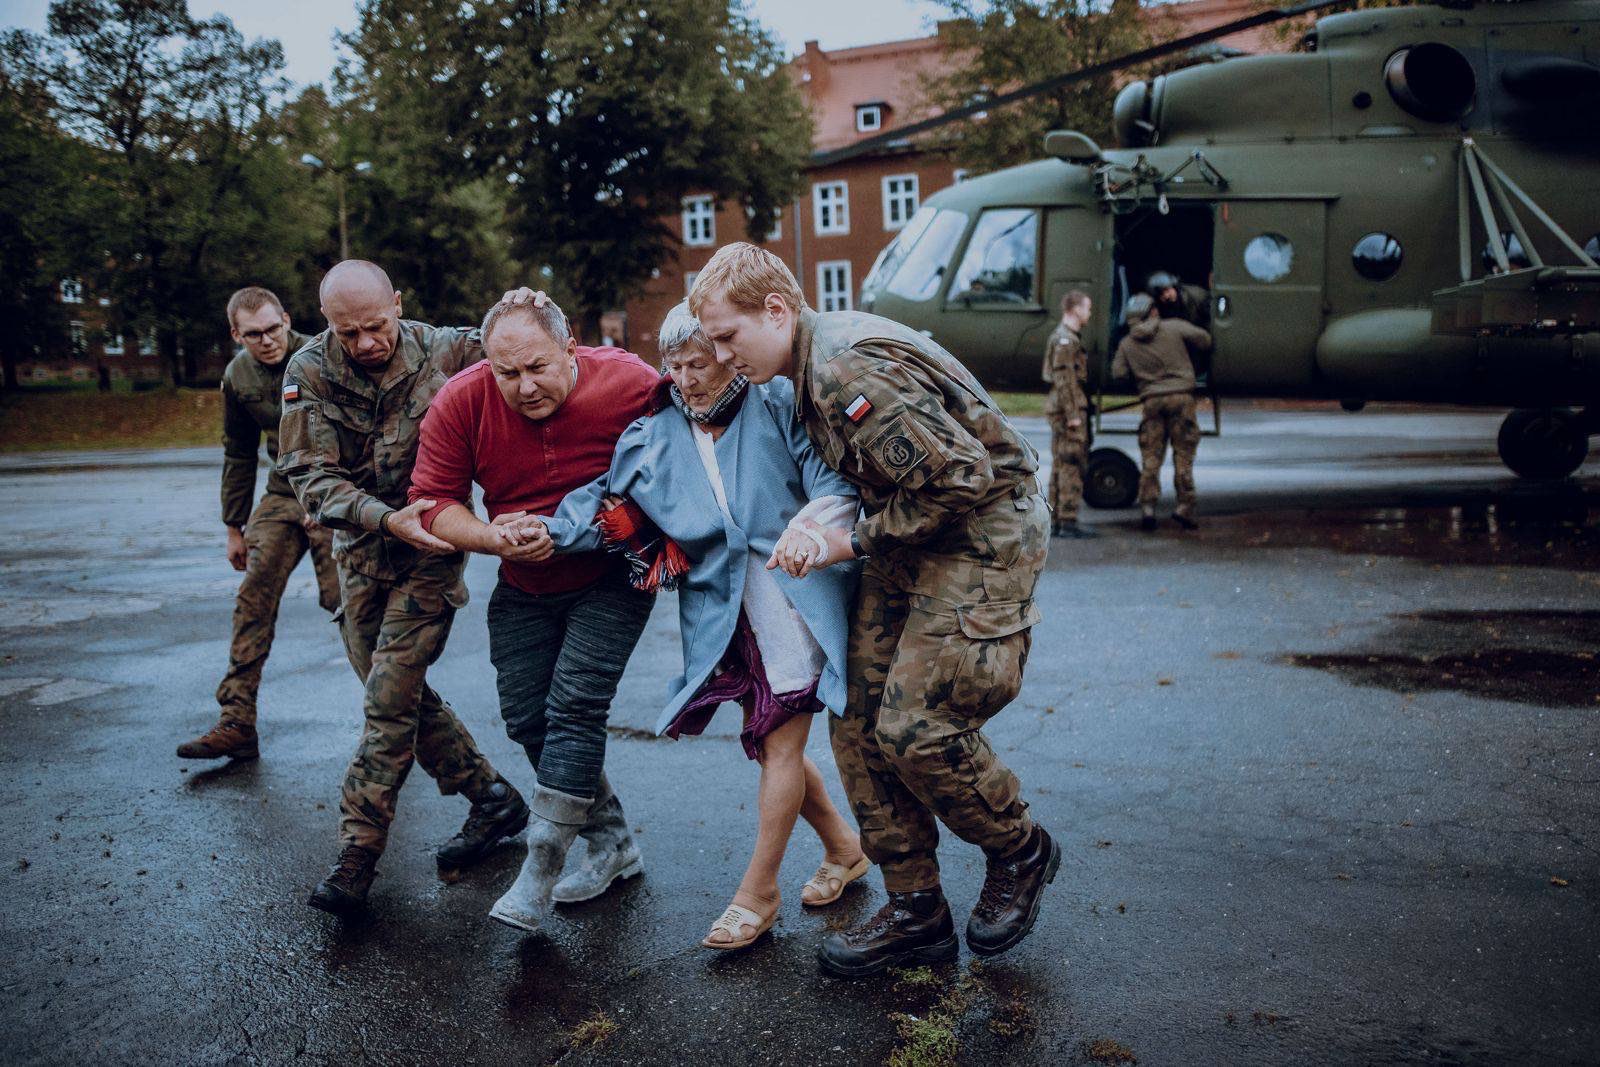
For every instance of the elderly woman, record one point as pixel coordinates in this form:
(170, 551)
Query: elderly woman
(725, 472)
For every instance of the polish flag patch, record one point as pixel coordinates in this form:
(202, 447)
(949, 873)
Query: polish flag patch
(859, 408)
(291, 391)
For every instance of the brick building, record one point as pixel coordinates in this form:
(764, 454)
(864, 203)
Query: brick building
(90, 344)
(848, 211)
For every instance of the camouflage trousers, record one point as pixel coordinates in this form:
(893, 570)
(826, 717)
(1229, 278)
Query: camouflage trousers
(937, 646)
(277, 541)
(393, 632)
(1167, 419)
(1069, 460)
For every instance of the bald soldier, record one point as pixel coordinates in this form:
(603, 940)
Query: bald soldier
(268, 541)
(353, 401)
(955, 532)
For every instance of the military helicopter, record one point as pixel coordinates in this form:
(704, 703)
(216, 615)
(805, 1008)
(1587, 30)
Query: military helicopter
(1403, 209)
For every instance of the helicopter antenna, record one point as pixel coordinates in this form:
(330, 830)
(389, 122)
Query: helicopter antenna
(1094, 70)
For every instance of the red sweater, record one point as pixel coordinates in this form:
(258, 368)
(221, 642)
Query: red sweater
(470, 434)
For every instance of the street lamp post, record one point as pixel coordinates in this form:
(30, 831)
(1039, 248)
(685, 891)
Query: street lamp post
(339, 170)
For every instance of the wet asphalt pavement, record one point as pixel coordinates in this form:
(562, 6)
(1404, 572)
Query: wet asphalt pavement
(1324, 773)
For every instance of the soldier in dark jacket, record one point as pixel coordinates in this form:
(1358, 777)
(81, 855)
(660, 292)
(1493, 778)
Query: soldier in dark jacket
(266, 543)
(955, 530)
(353, 401)
(1159, 354)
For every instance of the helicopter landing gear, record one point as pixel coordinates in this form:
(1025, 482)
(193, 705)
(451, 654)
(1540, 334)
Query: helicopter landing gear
(1543, 442)
(1112, 479)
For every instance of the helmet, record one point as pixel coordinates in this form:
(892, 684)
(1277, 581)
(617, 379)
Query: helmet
(1137, 308)
(1161, 279)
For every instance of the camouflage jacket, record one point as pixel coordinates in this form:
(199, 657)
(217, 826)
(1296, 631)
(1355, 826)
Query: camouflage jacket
(250, 392)
(910, 427)
(1066, 368)
(349, 442)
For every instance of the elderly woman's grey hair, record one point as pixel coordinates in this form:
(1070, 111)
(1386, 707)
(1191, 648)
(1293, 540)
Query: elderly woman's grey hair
(680, 330)
(549, 318)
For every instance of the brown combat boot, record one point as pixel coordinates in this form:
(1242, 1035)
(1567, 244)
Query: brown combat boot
(226, 740)
(1012, 889)
(910, 928)
(345, 888)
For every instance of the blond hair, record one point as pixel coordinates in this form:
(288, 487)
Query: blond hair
(745, 275)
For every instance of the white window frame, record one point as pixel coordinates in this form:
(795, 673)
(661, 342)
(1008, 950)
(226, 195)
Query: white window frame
(776, 233)
(834, 300)
(115, 344)
(864, 110)
(689, 277)
(830, 216)
(891, 198)
(147, 343)
(77, 337)
(71, 291)
(699, 212)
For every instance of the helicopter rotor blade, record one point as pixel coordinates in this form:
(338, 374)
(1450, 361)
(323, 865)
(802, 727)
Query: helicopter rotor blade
(1094, 70)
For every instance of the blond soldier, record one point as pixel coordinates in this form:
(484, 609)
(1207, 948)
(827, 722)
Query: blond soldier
(955, 532)
(266, 542)
(353, 402)
(1159, 354)
(1066, 368)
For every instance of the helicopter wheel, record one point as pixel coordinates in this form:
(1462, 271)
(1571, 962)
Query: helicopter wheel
(1112, 479)
(1542, 442)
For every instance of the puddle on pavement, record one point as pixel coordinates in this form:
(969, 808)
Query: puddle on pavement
(1543, 658)
(1562, 532)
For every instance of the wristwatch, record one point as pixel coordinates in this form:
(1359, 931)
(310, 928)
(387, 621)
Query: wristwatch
(383, 523)
(855, 545)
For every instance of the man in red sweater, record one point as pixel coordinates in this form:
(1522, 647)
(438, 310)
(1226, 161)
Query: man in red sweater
(535, 420)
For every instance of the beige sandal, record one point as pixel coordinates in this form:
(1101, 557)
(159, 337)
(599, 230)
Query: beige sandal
(732, 920)
(830, 880)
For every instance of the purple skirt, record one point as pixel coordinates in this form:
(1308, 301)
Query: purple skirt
(743, 680)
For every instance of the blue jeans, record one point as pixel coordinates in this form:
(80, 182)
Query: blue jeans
(557, 660)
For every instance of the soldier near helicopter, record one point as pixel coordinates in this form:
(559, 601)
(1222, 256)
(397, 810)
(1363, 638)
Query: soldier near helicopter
(267, 541)
(1066, 368)
(1176, 300)
(1159, 354)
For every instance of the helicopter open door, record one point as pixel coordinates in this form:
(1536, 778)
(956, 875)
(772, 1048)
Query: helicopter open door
(1267, 294)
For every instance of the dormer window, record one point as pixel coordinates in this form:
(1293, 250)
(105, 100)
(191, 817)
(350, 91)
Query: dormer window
(869, 118)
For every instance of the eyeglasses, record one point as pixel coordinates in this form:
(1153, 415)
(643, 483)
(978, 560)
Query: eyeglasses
(255, 337)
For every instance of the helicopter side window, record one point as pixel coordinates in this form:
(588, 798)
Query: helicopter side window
(1268, 257)
(1377, 257)
(1001, 261)
(1591, 247)
(922, 269)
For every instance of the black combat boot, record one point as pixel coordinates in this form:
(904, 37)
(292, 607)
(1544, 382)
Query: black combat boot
(910, 928)
(1071, 528)
(501, 813)
(1184, 520)
(226, 740)
(345, 888)
(1147, 522)
(1011, 893)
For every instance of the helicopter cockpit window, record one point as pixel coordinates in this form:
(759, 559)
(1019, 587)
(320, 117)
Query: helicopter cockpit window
(894, 253)
(1001, 261)
(1377, 257)
(1268, 257)
(924, 249)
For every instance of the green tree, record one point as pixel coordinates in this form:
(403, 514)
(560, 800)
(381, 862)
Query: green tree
(594, 117)
(203, 194)
(1005, 44)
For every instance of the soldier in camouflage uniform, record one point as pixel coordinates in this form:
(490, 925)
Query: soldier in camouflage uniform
(353, 401)
(955, 534)
(1159, 353)
(1066, 368)
(267, 543)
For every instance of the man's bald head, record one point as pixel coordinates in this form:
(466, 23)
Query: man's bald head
(363, 309)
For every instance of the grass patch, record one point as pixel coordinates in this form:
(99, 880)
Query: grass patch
(931, 1039)
(167, 418)
(592, 1031)
(1014, 404)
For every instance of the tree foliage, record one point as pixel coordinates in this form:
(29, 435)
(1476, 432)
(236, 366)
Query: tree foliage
(1005, 44)
(594, 117)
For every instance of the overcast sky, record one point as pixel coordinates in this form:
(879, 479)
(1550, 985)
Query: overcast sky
(306, 27)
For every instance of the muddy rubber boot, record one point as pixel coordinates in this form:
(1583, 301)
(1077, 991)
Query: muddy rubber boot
(557, 818)
(911, 928)
(345, 889)
(610, 854)
(499, 814)
(1012, 889)
(226, 740)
